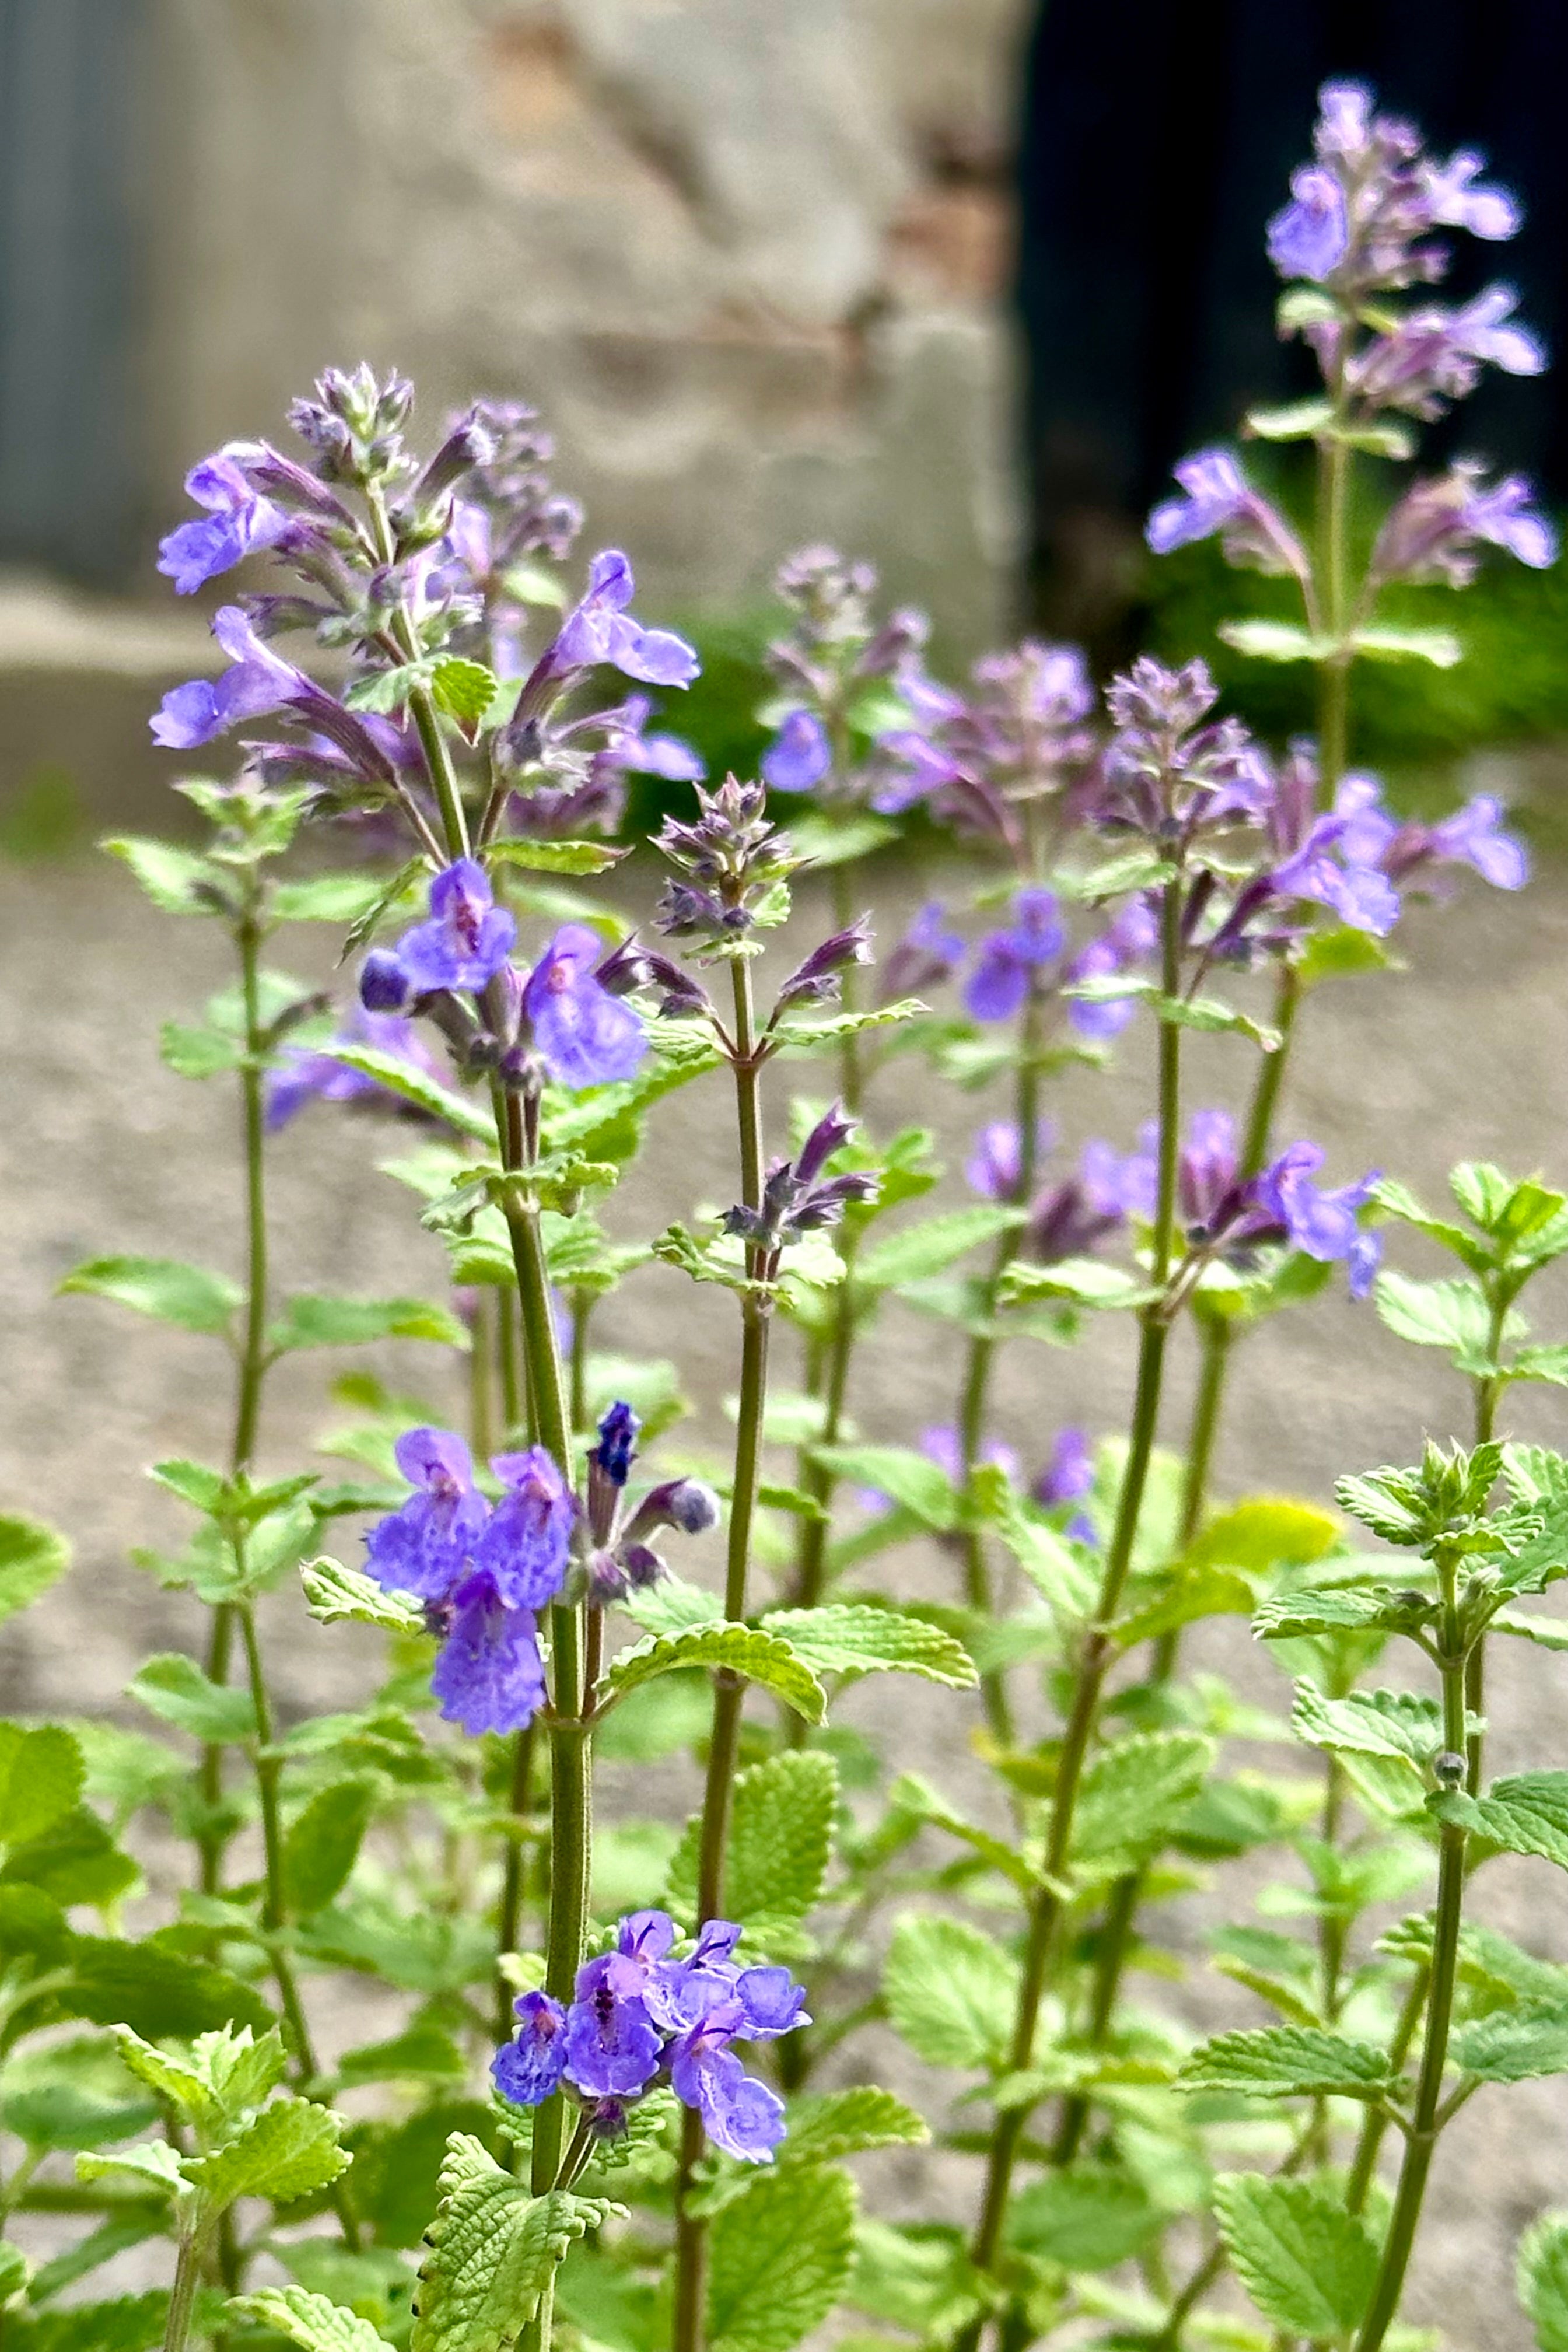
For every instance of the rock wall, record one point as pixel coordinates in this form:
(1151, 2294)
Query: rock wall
(745, 255)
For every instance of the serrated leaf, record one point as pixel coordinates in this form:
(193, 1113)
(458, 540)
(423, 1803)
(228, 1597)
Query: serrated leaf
(423, 2055)
(74, 1860)
(308, 2320)
(844, 1639)
(1307, 2264)
(173, 1687)
(1133, 1792)
(910, 1480)
(555, 857)
(333, 898)
(32, 1558)
(313, 1322)
(157, 1991)
(287, 2150)
(323, 1843)
(951, 1992)
(1527, 1813)
(334, 1594)
(1330, 1609)
(844, 2122)
(1286, 2062)
(1086, 1281)
(163, 1288)
(1339, 951)
(177, 880)
(493, 2250)
(1542, 2274)
(173, 2077)
(761, 1657)
(41, 1775)
(1404, 1723)
(780, 2257)
(1452, 1315)
(915, 1252)
(1513, 2045)
(72, 2094)
(1086, 2218)
(464, 689)
(151, 2163)
(427, 1094)
(809, 1034)
(780, 1844)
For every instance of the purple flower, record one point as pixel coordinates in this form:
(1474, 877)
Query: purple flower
(927, 953)
(740, 2115)
(1433, 356)
(489, 1675)
(426, 1547)
(1474, 837)
(1067, 1477)
(467, 940)
(383, 982)
(301, 1076)
(616, 1448)
(613, 2048)
(259, 680)
(1219, 497)
(772, 2004)
(1311, 236)
(239, 521)
(525, 1545)
(1356, 891)
(1410, 855)
(1453, 202)
(995, 1168)
(629, 744)
(1075, 1216)
(1006, 961)
(1206, 1169)
(1131, 939)
(941, 1445)
(799, 755)
(528, 2068)
(585, 1036)
(1432, 531)
(1323, 1225)
(601, 631)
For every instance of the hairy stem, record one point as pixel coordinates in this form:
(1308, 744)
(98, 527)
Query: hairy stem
(1422, 2139)
(1099, 1646)
(183, 2297)
(729, 1690)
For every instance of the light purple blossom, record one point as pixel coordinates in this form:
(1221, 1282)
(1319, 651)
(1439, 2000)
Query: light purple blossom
(1453, 201)
(489, 1675)
(1007, 961)
(1433, 356)
(1067, 1477)
(258, 681)
(427, 1546)
(1311, 236)
(585, 1036)
(301, 1076)
(941, 1443)
(1322, 1224)
(799, 755)
(600, 630)
(613, 2048)
(528, 2069)
(995, 1168)
(1131, 939)
(1431, 533)
(740, 2115)
(1219, 497)
(467, 938)
(239, 521)
(524, 1548)
(928, 953)
(1413, 854)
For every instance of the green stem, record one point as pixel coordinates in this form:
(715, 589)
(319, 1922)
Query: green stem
(729, 1690)
(1488, 1395)
(509, 1917)
(508, 1363)
(582, 1313)
(1099, 1646)
(1422, 2137)
(274, 1900)
(182, 2298)
(481, 1365)
(1363, 2166)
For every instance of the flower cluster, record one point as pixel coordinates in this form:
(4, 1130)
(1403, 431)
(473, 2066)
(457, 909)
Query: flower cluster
(798, 1196)
(1230, 1217)
(620, 1556)
(990, 761)
(642, 2016)
(839, 674)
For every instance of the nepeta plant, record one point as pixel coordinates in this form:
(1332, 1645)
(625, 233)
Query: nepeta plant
(620, 2064)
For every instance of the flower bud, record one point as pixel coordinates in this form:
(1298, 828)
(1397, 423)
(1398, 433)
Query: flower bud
(383, 982)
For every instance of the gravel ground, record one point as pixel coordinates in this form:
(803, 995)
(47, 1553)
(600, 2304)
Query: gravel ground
(101, 1150)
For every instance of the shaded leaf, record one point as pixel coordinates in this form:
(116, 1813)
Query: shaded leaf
(844, 1639)
(761, 1657)
(32, 1558)
(1285, 2061)
(1307, 2263)
(780, 2257)
(165, 1288)
(951, 1992)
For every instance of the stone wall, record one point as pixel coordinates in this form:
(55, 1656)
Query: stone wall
(745, 254)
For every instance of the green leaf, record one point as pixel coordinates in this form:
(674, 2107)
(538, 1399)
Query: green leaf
(74, 2094)
(844, 2122)
(1547, 1632)
(311, 1322)
(1277, 641)
(1339, 951)
(1527, 1813)
(423, 2055)
(1544, 2279)
(192, 1053)
(1298, 420)
(780, 2257)
(1280, 2061)
(1133, 1791)
(910, 1480)
(334, 1594)
(336, 898)
(1085, 2218)
(1441, 647)
(464, 689)
(1331, 1609)
(1452, 1315)
(1261, 1533)
(493, 2250)
(1307, 2264)
(844, 1639)
(41, 1775)
(155, 1990)
(308, 2320)
(177, 880)
(151, 2165)
(427, 1094)
(290, 2149)
(160, 1286)
(555, 857)
(835, 840)
(761, 1657)
(32, 1558)
(915, 1252)
(126, 2322)
(173, 1687)
(808, 1035)
(74, 1860)
(178, 2079)
(951, 1992)
(323, 1843)
(781, 1841)
(1407, 1723)
(1513, 2045)
(1085, 1280)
